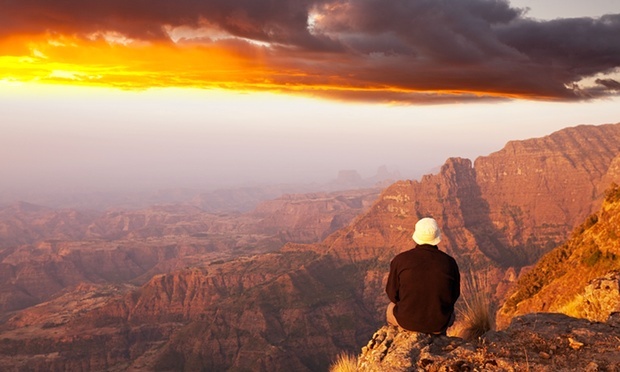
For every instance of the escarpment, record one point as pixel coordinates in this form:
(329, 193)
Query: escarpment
(565, 279)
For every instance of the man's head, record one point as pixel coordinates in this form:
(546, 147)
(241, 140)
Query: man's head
(427, 232)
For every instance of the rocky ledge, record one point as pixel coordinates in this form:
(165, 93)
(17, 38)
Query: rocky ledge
(533, 342)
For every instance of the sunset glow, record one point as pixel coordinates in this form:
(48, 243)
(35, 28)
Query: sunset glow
(175, 94)
(127, 64)
(98, 62)
(339, 50)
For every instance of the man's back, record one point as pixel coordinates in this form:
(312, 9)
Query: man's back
(424, 283)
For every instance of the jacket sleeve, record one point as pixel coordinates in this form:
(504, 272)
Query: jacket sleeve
(456, 291)
(393, 283)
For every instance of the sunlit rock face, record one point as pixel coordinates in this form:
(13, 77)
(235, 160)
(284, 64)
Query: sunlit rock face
(581, 277)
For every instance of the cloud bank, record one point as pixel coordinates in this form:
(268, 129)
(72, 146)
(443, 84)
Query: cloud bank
(375, 50)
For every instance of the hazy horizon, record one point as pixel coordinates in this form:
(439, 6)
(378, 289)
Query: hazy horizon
(187, 98)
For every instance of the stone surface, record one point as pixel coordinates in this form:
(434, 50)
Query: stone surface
(534, 342)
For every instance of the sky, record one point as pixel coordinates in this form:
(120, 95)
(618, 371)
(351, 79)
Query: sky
(117, 95)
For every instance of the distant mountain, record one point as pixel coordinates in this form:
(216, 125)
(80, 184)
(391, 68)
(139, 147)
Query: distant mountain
(224, 199)
(296, 308)
(43, 250)
(244, 199)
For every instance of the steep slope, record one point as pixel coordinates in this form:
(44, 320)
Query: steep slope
(558, 281)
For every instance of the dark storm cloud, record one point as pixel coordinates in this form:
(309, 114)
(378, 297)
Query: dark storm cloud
(475, 45)
(448, 31)
(609, 83)
(579, 46)
(271, 21)
(465, 47)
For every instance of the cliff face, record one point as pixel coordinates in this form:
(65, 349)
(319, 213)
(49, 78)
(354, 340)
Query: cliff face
(271, 312)
(539, 189)
(510, 207)
(562, 280)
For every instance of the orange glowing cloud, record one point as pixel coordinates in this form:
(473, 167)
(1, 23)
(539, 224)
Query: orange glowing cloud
(70, 60)
(412, 51)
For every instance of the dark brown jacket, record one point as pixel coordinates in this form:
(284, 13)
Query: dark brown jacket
(424, 283)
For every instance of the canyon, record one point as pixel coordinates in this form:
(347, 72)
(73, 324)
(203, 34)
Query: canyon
(289, 284)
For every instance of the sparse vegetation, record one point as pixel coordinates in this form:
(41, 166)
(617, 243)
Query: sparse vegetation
(345, 362)
(476, 310)
(591, 309)
(612, 194)
(593, 255)
(591, 251)
(597, 301)
(552, 265)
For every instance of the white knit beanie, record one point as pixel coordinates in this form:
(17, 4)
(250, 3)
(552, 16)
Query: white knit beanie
(427, 232)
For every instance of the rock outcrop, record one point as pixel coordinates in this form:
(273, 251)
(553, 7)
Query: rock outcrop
(601, 297)
(533, 342)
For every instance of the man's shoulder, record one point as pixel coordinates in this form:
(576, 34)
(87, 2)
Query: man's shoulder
(422, 252)
(404, 254)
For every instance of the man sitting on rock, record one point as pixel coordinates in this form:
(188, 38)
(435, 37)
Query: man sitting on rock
(424, 284)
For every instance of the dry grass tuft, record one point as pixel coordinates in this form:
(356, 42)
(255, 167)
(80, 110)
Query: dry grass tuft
(345, 363)
(476, 310)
